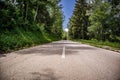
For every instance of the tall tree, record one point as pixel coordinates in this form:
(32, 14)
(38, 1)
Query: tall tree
(25, 14)
(79, 20)
(104, 19)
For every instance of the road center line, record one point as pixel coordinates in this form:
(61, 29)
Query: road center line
(63, 53)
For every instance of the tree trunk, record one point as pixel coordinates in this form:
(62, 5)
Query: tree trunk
(36, 14)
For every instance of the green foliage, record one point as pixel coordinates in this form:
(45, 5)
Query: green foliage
(26, 23)
(79, 21)
(65, 35)
(19, 38)
(97, 20)
(104, 20)
(102, 44)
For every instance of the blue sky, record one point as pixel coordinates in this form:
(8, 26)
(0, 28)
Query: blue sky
(68, 6)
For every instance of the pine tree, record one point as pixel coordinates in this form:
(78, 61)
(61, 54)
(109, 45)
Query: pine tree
(79, 20)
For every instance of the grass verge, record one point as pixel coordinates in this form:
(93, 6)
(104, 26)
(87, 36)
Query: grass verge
(20, 38)
(114, 46)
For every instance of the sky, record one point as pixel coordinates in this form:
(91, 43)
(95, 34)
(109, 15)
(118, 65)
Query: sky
(68, 7)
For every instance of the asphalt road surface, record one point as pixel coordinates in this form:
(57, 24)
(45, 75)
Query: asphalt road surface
(61, 60)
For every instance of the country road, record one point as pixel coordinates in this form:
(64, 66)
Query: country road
(60, 60)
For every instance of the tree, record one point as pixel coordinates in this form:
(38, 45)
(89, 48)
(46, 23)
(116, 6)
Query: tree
(79, 21)
(99, 19)
(29, 22)
(25, 14)
(104, 19)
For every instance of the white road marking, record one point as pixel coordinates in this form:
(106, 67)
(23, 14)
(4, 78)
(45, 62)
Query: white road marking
(63, 53)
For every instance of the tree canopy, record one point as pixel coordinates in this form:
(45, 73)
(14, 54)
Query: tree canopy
(29, 22)
(95, 19)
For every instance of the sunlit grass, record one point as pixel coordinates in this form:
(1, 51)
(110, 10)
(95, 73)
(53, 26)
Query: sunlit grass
(102, 44)
(19, 39)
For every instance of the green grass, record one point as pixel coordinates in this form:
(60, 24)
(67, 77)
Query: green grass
(19, 39)
(102, 44)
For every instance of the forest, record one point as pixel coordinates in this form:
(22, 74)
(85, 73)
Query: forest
(96, 22)
(25, 23)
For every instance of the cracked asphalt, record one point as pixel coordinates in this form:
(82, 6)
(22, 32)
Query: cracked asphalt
(46, 62)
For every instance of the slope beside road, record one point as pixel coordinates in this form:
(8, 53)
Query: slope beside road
(61, 60)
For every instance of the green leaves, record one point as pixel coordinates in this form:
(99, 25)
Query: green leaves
(104, 20)
(28, 22)
(79, 21)
(98, 20)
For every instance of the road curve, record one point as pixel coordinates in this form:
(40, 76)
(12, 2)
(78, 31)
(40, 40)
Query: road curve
(61, 60)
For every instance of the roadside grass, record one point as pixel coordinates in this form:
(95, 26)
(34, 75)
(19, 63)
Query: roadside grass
(19, 39)
(115, 46)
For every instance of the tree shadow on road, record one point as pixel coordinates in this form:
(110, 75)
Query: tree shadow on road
(47, 52)
(2, 75)
(46, 74)
(54, 49)
(81, 48)
(41, 51)
(65, 43)
(2, 55)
